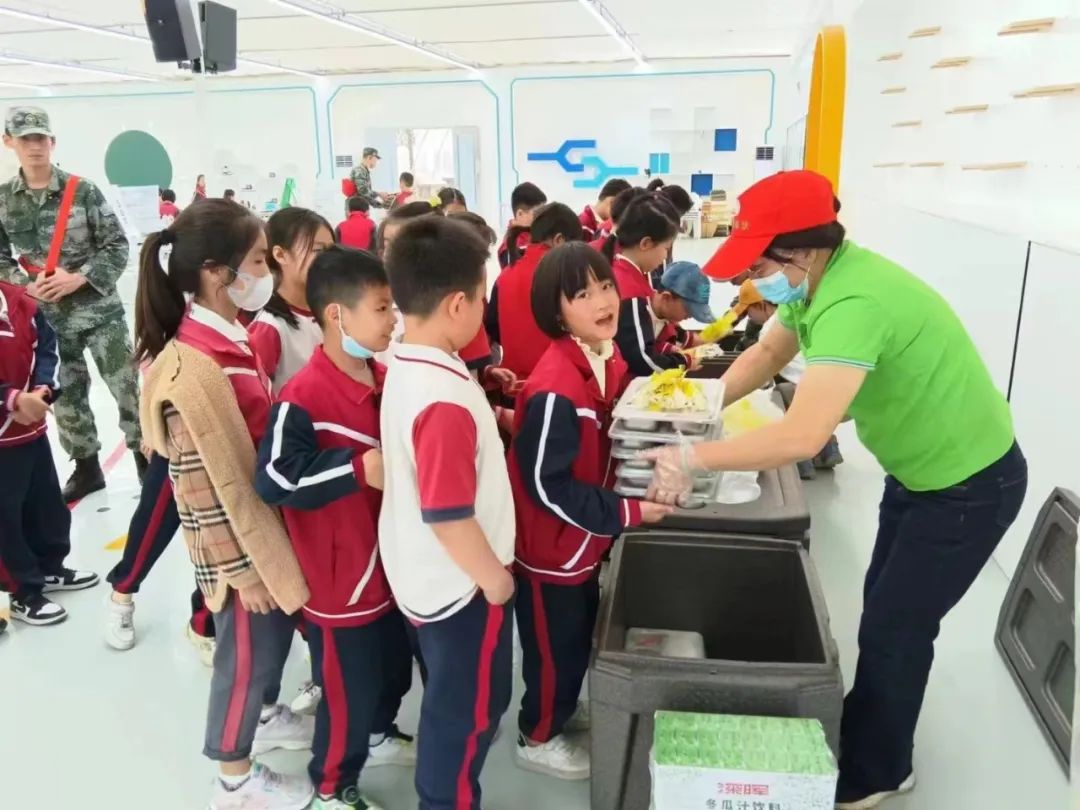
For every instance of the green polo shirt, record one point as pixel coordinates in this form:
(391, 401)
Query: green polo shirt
(928, 409)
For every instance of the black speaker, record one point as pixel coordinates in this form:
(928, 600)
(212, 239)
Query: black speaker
(218, 36)
(173, 31)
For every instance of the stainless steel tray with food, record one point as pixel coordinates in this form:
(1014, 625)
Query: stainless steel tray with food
(670, 398)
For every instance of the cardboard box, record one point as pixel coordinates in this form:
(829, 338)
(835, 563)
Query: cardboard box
(728, 762)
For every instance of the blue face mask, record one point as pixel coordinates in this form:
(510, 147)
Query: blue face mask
(350, 345)
(776, 289)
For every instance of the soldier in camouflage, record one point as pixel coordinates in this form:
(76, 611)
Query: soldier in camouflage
(79, 298)
(361, 177)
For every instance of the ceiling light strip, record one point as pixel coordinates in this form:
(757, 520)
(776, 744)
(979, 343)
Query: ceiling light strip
(128, 36)
(39, 87)
(611, 25)
(18, 58)
(351, 22)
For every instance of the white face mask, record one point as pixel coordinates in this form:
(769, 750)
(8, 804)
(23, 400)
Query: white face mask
(250, 293)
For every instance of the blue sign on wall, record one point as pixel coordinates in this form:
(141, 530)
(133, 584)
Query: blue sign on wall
(600, 172)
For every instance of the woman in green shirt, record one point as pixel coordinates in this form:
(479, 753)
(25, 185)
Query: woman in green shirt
(886, 350)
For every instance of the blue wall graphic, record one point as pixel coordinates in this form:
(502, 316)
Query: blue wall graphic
(601, 171)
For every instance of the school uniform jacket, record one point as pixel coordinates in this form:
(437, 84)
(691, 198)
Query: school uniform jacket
(204, 406)
(560, 467)
(228, 345)
(590, 223)
(673, 338)
(636, 337)
(310, 464)
(283, 349)
(510, 321)
(28, 358)
(358, 231)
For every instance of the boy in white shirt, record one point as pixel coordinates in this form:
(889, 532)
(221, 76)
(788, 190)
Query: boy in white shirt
(446, 530)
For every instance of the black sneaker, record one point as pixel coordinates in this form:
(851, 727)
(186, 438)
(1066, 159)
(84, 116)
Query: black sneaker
(141, 465)
(68, 580)
(37, 610)
(86, 479)
(3, 625)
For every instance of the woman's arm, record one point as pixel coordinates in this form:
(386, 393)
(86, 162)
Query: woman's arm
(760, 363)
(821, 401)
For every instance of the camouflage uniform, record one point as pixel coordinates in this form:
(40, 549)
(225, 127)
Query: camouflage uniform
(361, 177)
(92, 317)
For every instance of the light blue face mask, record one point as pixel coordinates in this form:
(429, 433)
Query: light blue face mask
(776, 289)
(350, 345)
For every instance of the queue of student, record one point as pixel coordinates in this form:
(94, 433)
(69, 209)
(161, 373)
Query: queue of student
(385, 520)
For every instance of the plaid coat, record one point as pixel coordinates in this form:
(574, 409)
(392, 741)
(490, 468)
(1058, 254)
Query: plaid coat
(190, 416)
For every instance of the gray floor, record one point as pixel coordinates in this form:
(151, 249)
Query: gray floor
(88, 727)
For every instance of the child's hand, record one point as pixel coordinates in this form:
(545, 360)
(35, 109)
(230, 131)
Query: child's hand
(503, 377)
(503, 591)
(373, 469)
(693, 362)
(30, 408)
(256, 599)
(654, 512)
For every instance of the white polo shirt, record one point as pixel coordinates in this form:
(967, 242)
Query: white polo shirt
(282, 349)
(443, 460)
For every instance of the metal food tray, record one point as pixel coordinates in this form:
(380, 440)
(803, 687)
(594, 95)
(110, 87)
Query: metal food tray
(635, 475)
(704, 491)
(714, 396)
(662, 436)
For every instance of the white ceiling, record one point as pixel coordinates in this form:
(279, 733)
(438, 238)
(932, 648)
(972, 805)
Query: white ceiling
(489, 33)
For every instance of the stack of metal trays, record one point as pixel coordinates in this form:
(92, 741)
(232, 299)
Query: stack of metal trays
(635, 429)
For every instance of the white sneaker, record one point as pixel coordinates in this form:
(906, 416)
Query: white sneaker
(120, 625)
(264, 790)
(307, 699)
(580, 720)
(873, 800)
(560, 757)
(395, 749)
(285, 730)
(203, 645)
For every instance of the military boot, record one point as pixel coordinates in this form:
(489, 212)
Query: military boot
(87, 478)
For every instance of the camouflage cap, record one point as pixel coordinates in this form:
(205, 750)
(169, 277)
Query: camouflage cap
(22, 121)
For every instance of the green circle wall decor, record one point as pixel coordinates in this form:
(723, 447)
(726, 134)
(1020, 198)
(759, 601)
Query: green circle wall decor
(137, 158)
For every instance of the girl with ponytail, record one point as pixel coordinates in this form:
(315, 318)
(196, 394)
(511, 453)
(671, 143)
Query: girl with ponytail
(284, 335)
(204, 407)
(618, 208)
(646, 231)
(509, 319)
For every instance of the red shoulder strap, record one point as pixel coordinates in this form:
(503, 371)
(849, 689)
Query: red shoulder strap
(62, 217)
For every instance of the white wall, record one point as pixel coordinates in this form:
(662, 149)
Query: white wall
(289, 124)
(253, 132)
(631, 115)
(965, 232)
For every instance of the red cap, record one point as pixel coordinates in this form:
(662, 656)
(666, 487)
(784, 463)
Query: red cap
(785, 202)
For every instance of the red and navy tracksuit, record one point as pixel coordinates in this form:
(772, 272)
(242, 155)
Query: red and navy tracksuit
(560, 470)
(156, 521)
(358, 231)
(636, 337)
(503, 251)
(509, 319)
(590, 223)
(673, 338)
(35, 524)
(310, 464)
(153, 526)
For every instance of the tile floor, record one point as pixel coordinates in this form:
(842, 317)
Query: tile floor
(122, 731)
